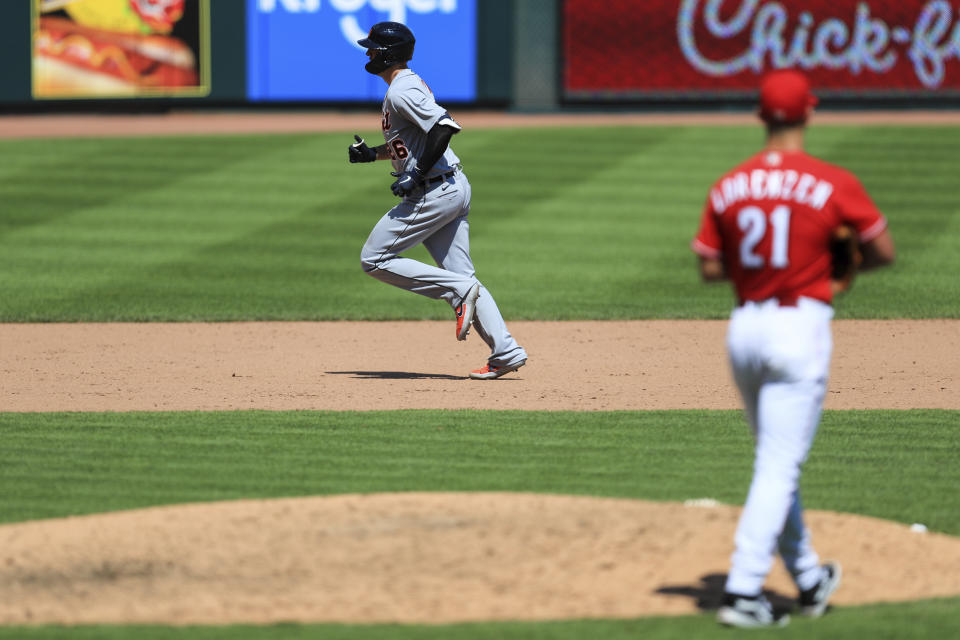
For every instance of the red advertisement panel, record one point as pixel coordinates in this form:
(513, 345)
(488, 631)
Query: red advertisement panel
(663, 47)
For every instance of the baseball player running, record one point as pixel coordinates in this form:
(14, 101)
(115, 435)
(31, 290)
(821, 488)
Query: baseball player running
(767, 226)
(435, 201)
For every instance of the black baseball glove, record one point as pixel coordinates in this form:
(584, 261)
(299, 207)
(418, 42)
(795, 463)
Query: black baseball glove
(845, 258)
(360, 152)
(406, 182)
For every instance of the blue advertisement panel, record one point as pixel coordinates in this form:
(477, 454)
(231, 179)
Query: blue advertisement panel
(305, 50)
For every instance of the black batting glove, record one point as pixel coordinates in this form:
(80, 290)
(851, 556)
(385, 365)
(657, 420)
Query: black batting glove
(360, 152)
(406, 182)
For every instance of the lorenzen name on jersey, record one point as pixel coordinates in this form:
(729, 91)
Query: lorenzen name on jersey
(760, 184)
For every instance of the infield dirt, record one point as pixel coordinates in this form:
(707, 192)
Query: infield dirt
(579, 366)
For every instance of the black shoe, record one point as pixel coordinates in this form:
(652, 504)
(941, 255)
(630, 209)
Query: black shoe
(813, 601)
(749, 612)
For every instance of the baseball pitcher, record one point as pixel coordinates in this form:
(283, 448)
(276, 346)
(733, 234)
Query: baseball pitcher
(435, 201)
(771, 226)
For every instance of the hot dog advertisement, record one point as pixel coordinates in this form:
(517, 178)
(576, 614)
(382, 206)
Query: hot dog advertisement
(120, 48)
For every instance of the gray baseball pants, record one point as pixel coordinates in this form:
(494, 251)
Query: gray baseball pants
(436, 216)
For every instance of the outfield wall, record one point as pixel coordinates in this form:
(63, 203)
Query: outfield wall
(520, 54)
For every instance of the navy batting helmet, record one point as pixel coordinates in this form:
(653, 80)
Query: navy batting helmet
(393, 41)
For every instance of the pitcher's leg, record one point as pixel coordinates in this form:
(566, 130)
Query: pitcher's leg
(785, 434)
(742, 341)
(796, 548)
(748, 382)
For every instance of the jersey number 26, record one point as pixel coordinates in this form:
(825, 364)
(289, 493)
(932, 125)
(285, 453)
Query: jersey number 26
(399, 149)
(753, 221)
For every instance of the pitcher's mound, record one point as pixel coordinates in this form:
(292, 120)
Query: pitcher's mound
(425, 558)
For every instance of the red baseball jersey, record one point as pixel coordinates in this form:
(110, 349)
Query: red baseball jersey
(770, 220)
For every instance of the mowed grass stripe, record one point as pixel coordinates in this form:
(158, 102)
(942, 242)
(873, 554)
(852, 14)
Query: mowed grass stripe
(926, 620)
(586, 223)
(888, 464)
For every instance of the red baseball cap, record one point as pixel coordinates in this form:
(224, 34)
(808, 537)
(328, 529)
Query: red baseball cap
(785, 97)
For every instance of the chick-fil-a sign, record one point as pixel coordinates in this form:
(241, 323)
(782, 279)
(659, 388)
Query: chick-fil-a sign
(874, 45)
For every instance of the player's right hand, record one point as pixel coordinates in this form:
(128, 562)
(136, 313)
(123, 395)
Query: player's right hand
(360, 152)
(406, 182)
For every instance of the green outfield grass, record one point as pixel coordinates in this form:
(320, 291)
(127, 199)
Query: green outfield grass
(887, 464)
(572, 223)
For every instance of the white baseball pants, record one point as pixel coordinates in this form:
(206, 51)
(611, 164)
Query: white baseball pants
(780, 356)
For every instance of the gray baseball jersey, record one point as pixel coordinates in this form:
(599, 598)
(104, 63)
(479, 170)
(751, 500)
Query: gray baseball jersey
(434, 215)
(409, 112)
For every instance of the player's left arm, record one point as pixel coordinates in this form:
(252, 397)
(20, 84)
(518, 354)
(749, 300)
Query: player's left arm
(858, 211)
(878, 252)
(438, 139)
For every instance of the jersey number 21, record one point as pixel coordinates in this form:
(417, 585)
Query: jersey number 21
(753, 221)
